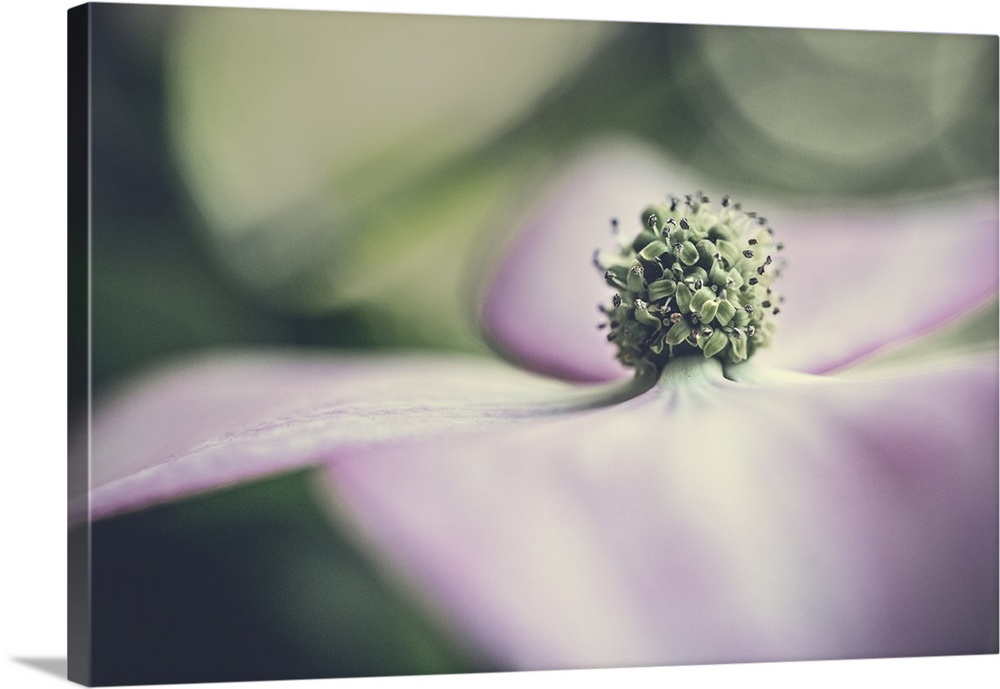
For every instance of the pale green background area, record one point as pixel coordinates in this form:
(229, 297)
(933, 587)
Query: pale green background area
(386, 147)
(339, 181)
(335, 179)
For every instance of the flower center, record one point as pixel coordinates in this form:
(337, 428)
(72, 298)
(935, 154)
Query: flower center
(693, 281)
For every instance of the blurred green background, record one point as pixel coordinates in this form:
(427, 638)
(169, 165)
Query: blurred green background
(325, 179)
(332, 180)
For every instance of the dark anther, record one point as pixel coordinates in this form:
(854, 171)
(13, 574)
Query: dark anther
(698, 284)
(767, 261)
(762, 220)
(612, 335)
(636, 269)
(616, 300)
(651, 220)
(665, 232)
(753, 281)
(760, 270)
(704, 199)
(614, 223)
(725, 201)
(738, 206)
(751, 241)
(781, 245)
(751, 214)
(776, 311)
(766, 304)
(748, 308)
(748, 253)
(736, 333)
(608, 275)
(678, 246)
(602, 326)
(673, 203)
(670, 221)
(707, 332)
(751, 330)
(684, 224)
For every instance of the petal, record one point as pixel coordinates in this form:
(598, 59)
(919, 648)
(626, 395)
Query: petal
(224, 418)
(856, 280)
(706, 521)
(541, 305)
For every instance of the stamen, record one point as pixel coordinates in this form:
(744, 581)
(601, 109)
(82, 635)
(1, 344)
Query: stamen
(692, 295)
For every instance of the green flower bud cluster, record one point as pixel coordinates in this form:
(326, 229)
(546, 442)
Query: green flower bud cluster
(693, 281)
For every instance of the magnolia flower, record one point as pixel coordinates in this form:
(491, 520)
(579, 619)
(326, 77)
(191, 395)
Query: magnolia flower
(821, 499)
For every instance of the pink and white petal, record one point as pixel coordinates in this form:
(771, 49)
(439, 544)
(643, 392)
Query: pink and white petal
(540, 307)
(705, 521)
(857, 282)
(223, 418)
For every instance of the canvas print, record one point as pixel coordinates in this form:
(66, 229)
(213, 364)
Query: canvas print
(413, 344)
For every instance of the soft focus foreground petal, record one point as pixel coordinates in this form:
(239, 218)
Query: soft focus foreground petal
(707, 521)
(224, 418)
(857, 282)
(540, 307)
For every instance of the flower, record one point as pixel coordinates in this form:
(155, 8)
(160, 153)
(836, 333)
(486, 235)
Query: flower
(842, 505)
